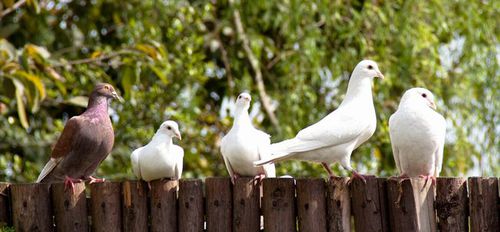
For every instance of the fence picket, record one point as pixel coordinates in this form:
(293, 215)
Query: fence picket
(311, 208)
(105, 207)
(338, 205)
(163, 205)
(135, 206)
(279, 205)
(484, 204)
(246, 205)
(219, 204)
(31, 207)
(367, 207)
(70, 207)
(191, 217)
(5, 210)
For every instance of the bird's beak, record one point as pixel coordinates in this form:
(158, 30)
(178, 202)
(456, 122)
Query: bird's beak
(117, 97)
(178, 135)
(380, 75)
(432, 105)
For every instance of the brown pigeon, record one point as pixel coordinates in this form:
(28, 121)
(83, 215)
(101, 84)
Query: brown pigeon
(85, 142)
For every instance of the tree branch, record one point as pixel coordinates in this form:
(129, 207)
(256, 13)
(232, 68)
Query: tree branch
(12, 8)
(254, 62)
(227, 64)
(95, 59)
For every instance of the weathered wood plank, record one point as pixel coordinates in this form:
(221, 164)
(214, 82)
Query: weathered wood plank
(219, 204)
(5, 209)
(135, 206)
(191, 217)
(31, 207)
(106, 207)
(246, 205)
(338, 205)
(366, 205)
(484, 203)
(452, 204)
(402, 208)
(311, 205)
(163, 205)
(70, 207)
(279, 205)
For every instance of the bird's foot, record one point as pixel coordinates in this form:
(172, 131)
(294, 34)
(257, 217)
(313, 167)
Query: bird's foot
(96, 180)
(258, 178)
(234, 177)
(400, 178)
(427, 177)
(356, 175)
(70, 183)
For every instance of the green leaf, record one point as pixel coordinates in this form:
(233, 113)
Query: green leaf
(21, 111)
(37, 82)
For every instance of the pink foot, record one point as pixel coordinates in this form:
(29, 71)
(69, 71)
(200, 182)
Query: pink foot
(427, 177)
(259, 177)
(234, 177)
(96, 180)
(356, 175)
(70, 183)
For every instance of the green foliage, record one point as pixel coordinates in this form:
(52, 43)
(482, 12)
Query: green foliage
(184, 60)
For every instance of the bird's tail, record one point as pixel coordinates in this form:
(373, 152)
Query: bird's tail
(279, 151)
(47, 169)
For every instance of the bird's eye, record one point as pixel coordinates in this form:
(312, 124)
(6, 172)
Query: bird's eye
(169, 128)
(424, 95)
(370, 67)
(106, 87)
(239, 97)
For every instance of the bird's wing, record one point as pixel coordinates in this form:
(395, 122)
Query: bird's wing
(63, 147)
(70, 133)
(395, 150)
(263, 148)
(49, 166)
(179, 163)
(136, 165)
(223, 150)
(441, 129)
(337, 128)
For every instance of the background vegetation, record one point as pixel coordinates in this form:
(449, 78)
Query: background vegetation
(187, 60)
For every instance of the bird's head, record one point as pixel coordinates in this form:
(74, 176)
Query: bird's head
(107, 90)
(243, 100)
(170, 128)
(368, 68)
(421, 96)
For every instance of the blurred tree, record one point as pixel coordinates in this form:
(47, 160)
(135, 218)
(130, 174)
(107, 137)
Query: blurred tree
(186, 60)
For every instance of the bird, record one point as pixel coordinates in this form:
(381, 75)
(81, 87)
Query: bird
(244, 144)
(160, 158)
(84, 143)
(334, 137)
(417, 134)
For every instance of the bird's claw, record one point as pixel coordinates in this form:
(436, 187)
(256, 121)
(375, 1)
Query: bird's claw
(427, 177)
(258, 178)
(356, 175)
(70, 183)
(96, 180)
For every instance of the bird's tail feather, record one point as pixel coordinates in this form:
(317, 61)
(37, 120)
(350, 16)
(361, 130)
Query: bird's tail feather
(47, 169)
(279, 151)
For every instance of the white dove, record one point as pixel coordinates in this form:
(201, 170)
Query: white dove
(334, 137)
(417, 135)
(160, 158)
(244, 144)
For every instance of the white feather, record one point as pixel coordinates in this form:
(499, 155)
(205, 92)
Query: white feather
(160, 158)
(49, 166)
(244, 144)
(334, 137)
(417, 135)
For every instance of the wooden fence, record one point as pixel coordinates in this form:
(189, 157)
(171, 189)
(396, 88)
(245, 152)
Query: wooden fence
(281, 204)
